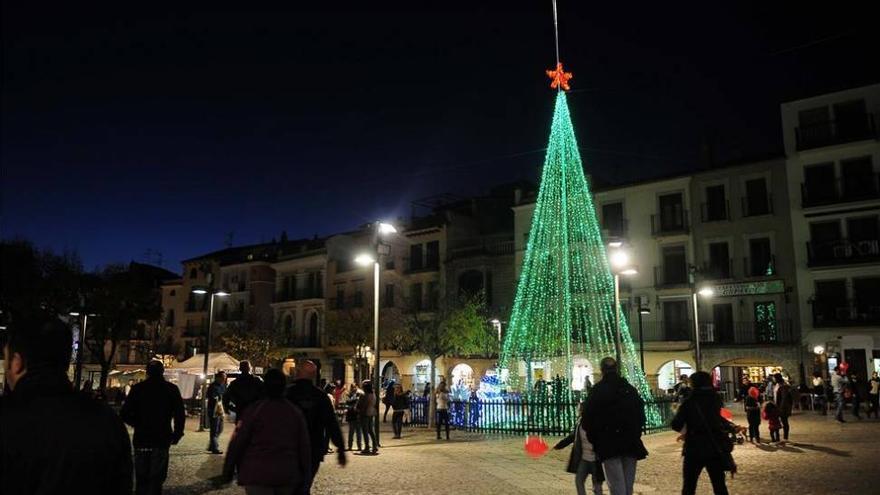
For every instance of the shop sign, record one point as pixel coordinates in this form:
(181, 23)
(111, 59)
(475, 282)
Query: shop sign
(750, 288)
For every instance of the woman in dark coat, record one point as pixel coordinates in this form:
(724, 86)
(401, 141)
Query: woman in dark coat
(270, 448)
(706, 444)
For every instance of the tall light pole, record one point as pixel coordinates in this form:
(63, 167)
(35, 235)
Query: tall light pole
(77, 373)
(705, 292)
(381, 228)
(218, 293)
(620, 265)
(643, 310)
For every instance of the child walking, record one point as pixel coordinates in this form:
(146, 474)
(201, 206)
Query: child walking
(753, 414)
(771, 414)
(582, 461)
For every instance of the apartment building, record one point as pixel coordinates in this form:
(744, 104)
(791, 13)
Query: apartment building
(833, 163)
(683, 236)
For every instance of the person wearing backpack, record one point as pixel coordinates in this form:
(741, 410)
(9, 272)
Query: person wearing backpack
(706, 441)
(615, 417)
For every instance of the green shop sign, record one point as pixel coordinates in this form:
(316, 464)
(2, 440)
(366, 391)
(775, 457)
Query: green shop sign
(750, 288)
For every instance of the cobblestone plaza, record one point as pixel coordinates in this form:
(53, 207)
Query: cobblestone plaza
(823, 457)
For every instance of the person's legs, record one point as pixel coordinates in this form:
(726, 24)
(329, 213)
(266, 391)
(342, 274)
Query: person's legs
(446, 421)
(580, 477)
(141, 471)
(785, 426)
(369, 432)
(629, 473)
(158, 470)
(614, 475)
(691, 469)
(716, 476)
(857, 406)
(840, 401)
(385, 416)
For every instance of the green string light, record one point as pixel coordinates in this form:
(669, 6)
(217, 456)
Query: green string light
(564, 303)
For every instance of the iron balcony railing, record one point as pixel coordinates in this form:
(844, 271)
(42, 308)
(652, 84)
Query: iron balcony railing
(755, 208)
(299, 294)
(714, 213)
(839, 131)
(488, 247)
(669, 276)
(662, 331)
(864, 310)
(670, 224)
(760, 267)
(720, 270)
(842, 252)
(849, 188)
(774, 331)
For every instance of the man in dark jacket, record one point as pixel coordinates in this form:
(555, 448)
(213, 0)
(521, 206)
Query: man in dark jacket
(705, 442)
(784, 401)
(149, 409)
(318, 410)
(615, 417)
(52, 439)
(243, 391)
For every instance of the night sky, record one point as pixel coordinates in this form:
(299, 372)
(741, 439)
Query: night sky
(132, 130)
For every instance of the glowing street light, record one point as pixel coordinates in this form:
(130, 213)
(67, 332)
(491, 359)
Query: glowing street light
(214, 293)
(819, 350)
(365, 259)
(706, 292)
(620, 265)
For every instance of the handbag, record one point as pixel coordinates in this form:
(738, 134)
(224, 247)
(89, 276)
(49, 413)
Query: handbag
(727, 462)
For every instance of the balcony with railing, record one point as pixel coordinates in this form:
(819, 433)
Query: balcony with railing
(761, 206)
(482, 248)
(720, 270)
(846, 189)
(779, 331)
(760, 266)
(299, 294)
(846, 312)
(670, 276)
(670, 224)
(842, 130)
(714, 212)
(842, 252)
(662, 331)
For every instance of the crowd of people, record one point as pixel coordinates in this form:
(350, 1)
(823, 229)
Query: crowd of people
(283, 432)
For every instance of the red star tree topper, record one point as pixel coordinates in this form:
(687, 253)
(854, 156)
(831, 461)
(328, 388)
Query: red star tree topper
(559, 77)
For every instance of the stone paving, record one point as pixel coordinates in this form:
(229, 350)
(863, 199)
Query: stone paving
(823, 457)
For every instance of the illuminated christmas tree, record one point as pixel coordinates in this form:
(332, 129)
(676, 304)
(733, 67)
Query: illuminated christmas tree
(564, 302)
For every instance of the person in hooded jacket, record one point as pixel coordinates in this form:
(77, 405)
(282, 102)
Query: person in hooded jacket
(705, 440)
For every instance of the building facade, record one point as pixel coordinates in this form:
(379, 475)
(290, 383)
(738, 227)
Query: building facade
(833, 163)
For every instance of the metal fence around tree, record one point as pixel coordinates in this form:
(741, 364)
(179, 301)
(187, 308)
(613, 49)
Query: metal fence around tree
(520, 416)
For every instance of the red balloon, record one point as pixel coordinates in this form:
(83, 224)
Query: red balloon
(754, 392)
(844, 366)
(535, 447)
(726, 414)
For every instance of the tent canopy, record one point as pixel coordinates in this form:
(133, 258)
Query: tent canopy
(217, 361)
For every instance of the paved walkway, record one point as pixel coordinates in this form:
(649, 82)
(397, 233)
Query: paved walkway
(824, 457)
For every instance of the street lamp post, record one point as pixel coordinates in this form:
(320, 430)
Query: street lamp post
(214, 293)
(620, 265)
(642, 311)
(705, 292)
(366, 259)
